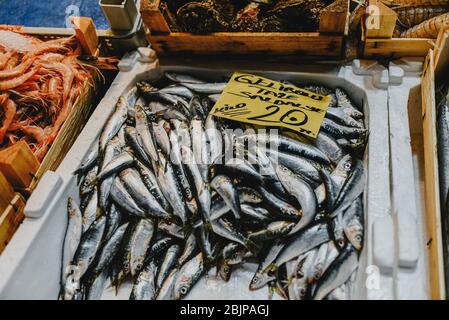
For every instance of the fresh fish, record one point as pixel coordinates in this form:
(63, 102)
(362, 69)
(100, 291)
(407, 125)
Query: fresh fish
(337, 130)
(171, 189)
(161, 136)
(353, 188)
(145, 135)
(337, 231)
(166, 291)
(144, 287)
(225, 229)
(279, 207)
(190, 248)
(200, 148)
(110, 249)
(150, 181)
(266, 271)
(168, 263)
(202, 189)
(182, 78)
(340, 116)
(205, 88)
(132, 140)
(114, 123)
(353, 224)
(124, 200)
(89, 245)
(113, 219)
(273, 231)
(337, 273)
(345, 103)
(258, 213)
(303, 194)
(141, 195)
(288, 145)
(177, 161)
(188, 276)
(329, 146)
(117, 164)
(158, 247)
(302, 242)
(177, 90)
(112, 150)
(196, 108)
(72, 236)
(91, 212)
(223, 186)
(171, 229)
(88, 182)
(98, 285)
(89, 161)
(140, 242)
(215, 140)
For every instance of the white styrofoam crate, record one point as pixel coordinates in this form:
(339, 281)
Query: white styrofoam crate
(30, 265)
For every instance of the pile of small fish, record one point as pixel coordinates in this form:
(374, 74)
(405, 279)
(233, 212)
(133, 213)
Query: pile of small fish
(165, 197)
(205, 16)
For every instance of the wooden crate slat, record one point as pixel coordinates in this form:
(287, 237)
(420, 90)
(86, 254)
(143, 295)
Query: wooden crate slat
(10, 220)
(432, 197)
(397, 47)
(6, 192)
(312, 44)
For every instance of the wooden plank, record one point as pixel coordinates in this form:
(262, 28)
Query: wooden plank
(310, 44)
(381, 20)
(397, 47)
(432, 202)
(10, 220)
(19, 164)
(86, 33)
(6, 192)
(334, 19)
(153, 18)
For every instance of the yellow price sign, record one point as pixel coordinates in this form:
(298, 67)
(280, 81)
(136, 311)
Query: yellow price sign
(254, 99)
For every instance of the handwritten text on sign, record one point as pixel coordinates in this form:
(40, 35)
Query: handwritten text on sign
(261, 101)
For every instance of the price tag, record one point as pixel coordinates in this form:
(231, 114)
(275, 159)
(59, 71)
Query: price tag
(257, 100)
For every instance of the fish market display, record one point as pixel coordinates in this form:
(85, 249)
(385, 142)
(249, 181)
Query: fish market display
(170, 194)
(39, 83)
(205, 16)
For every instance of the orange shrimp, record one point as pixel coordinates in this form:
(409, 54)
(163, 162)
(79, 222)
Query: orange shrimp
(15, 82)
(4, 58)
(67, 76)
(18, 70)
(35, 132)
(9, 108)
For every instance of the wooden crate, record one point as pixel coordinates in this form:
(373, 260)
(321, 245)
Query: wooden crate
(327, 42)
(10, 219)
(379, 42)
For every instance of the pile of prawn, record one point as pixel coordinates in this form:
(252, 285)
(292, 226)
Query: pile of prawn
(40, 82)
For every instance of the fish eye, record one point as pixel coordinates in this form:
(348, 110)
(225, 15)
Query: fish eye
(255, 279)
(358, 238)
(183, 290)
(226, 269)
(347, 166)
